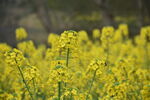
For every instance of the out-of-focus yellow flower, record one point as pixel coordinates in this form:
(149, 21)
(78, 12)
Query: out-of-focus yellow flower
(96, 33)
(107, 34)
(124, 29)
(4, 47)
(74, 92)
(21, 33)
(53, 39)
(145, 33)
(27, 47)
(83, 36)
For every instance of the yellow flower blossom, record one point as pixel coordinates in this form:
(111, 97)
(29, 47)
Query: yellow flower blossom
(21, 33)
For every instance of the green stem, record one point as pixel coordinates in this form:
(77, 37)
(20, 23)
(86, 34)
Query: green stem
(93, 79)
(33, 80)
(147, 57)
(71, 97)
(59, 90)
(23, 79)
(67, 58)
(67, 63)
(107, 53)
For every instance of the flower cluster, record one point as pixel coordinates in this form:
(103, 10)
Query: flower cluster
(14, 57)
(31, 72)
(67, 40)
(97, 66)
(21, 33)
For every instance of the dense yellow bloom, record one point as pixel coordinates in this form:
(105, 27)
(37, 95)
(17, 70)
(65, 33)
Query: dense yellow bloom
(14, 57)
(59, 75)
(110, 66)
(21, 33)
(68, 39)
(31, 72)
(68, 43)
(96, 64)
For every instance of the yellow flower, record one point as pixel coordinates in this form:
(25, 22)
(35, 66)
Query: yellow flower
(52, 39)
(124, 29)
(4, 47)
(21, 33)
(68, 42)
(74, 92)
(107, 36)
(31, 73)
(96, 33)
(14, 57)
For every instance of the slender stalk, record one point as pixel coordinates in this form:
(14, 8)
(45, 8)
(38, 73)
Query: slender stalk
(23, 79)
(93, 79)
(67, 58)
(34, 88)
(67, 64)
(59, 90)
(71, 97)
(107, 52)
(146, 56)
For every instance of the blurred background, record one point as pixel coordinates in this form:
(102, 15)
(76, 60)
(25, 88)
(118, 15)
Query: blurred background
(41, 17)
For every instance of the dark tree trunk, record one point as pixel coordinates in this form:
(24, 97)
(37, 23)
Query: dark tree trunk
(107, 16)
(42, 11)
(141, 13)
(146, 5)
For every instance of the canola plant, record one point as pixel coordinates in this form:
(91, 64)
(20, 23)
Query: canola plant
(108, 66)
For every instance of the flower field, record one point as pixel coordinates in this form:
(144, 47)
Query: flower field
(109, 65)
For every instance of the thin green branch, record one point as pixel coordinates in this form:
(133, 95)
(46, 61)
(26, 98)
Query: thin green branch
(23, 79)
